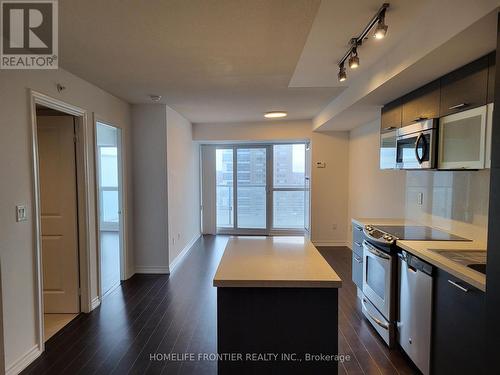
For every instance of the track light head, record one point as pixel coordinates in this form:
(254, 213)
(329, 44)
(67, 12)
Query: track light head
(354, 59)
(381, 29)
(342, 74)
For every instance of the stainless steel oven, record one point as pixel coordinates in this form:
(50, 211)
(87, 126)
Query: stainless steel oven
(379, 271)
(416, 145)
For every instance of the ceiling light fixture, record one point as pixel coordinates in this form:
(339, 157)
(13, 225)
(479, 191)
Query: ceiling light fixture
(381, 28)
(354, 59)
(275, 114)
(377, 22)
(342, 74)
(155, 98)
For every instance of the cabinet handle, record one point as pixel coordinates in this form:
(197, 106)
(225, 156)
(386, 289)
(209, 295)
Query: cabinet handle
(357, 244)
(458, 286)
(457, 106)
(358, 259)
(359, 228)
(420, 119)
(390, 128)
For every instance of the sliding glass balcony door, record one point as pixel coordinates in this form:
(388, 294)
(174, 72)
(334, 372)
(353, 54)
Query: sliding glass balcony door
(251, 188)
(261, 189)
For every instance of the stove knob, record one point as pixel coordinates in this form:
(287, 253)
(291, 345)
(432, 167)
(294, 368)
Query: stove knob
(369, 228)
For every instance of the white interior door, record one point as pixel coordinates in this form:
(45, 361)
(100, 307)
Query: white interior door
(57, 168)
(109, 179)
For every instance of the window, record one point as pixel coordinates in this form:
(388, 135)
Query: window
(224, 187)
(261, 188)
(289, 188)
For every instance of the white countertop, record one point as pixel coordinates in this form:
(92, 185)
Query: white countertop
(283, 262)
(422, 250)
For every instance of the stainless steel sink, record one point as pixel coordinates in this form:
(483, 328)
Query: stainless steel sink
(473, 259)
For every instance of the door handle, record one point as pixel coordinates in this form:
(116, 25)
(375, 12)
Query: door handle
(420, 137)
(376, 252)
(457, 106)
(376, 320)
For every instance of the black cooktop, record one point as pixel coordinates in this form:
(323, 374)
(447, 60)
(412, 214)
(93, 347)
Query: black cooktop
(418, 233)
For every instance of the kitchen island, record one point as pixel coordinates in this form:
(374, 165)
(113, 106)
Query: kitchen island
(277, 308)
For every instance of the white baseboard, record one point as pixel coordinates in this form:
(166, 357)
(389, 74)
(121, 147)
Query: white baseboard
(184, 252)
(152, 269)
(330, 243)
(21, 363)
(96, 301)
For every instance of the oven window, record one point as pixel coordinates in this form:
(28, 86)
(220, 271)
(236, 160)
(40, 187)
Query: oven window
(375, 276)
(406, 149)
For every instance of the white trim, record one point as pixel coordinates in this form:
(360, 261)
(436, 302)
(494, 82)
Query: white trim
(123, 233)
(331, 243)
(84, 199)
(22, 362)
(152, 269)
(96, 301)
(183, 253)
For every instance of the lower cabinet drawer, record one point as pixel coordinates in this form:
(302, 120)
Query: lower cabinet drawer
(357, 270)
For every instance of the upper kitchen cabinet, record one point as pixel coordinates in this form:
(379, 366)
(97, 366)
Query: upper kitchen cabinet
(391, 116)
(465, 88)
(422, 103)
(491, 77)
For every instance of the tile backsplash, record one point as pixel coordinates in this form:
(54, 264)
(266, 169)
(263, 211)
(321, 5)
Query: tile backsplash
(455, 201)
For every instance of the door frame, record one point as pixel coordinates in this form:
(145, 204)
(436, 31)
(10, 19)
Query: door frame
(122, 201)
(269, 230)
(84, 207)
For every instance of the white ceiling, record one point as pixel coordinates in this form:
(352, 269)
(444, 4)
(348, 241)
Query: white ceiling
(335, 24)
(233, 60)
(211, 60)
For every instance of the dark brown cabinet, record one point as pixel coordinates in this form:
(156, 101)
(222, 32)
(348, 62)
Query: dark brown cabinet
(391, 116)
(491, 77)
(458, 329)
(422, 103)
(465, 88)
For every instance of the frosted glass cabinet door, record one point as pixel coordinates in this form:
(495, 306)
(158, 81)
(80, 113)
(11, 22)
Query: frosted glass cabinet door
(462, 140)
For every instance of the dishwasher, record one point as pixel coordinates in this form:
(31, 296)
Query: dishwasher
(415, 309)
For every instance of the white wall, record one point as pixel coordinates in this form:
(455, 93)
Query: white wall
(372, 192)
(328, 185)
(16, 239)
(150, 187)
(183, 162)
(456, 201)
(166, 186)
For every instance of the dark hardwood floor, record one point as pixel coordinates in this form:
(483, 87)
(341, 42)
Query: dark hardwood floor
(152, 314)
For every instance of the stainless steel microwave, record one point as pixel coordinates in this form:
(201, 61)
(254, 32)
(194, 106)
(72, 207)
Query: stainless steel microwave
(416, 145)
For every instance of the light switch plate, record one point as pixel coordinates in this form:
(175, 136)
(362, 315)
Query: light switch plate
(21, 213)
(420, 199)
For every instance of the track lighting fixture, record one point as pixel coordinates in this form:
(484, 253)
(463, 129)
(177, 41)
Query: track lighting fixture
(381, 28)
(354, 59)
(377, 22)
(342, 74)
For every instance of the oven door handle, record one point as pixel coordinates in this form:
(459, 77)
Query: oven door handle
(424, 148)
(376, 320)
(375, 252)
